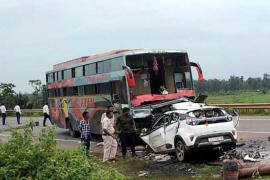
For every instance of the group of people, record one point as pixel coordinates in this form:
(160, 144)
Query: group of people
(3, 112)
(18, 113)
(122, 127)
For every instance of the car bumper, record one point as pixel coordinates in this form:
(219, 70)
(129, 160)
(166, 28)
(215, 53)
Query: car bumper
(203, 142)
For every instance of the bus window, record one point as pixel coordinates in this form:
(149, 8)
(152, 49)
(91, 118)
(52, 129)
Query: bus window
(89, 89)
(59, 76)
(79, 71)
(100, 67)
(75, 91)
(80, 90)
(65, 91)
(90, 69)
(70, 91)
(51, 92)
(107, 66)
(67, 74)
(50, 77)
(116, 64)
(162, 70)
(104, 88)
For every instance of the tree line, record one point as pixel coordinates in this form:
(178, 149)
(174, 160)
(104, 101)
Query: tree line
(38, 97)
(234, 83)
(34, 100)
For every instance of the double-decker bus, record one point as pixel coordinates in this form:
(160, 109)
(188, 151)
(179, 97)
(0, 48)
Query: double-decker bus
(131, 78)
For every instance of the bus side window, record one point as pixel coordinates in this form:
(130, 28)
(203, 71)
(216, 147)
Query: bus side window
(90, 69)
(75, 91)
(104, 88)
(89, 89)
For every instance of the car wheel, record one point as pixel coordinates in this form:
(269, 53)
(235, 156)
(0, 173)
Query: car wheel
(180, 151)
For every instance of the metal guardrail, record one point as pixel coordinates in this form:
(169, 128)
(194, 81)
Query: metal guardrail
(245, 105)
(27, 111)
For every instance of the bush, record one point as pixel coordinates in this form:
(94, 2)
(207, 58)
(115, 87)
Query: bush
(27, 157)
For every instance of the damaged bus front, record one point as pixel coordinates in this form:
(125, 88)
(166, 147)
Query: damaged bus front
(156, 77)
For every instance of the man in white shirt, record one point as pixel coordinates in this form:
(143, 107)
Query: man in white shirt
(109, 138)
(46, 114)
(3, 113)
(18, 112)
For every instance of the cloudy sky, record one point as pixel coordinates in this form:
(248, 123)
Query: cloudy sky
(227, 37)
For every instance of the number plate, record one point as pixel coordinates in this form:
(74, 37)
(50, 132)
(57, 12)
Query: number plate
(215, 139)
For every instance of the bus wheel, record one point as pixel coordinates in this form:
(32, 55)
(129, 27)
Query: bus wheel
(72, 132)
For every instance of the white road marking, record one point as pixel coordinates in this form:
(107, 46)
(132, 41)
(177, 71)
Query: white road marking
(254, 119)
(255, 132)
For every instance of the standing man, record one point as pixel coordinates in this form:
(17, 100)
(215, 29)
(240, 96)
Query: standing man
(109, 138)
(85, 132)
(126, 127)
(109, 108)
(46, 114)
(18, 112)
(3, 113)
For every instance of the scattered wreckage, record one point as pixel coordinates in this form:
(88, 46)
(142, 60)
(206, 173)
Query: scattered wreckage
(183, 125)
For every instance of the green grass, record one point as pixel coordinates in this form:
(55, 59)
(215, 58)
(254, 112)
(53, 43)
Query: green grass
(242, 97)
(239, 97)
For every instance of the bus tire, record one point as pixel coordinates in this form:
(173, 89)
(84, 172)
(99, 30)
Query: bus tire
(72, 132)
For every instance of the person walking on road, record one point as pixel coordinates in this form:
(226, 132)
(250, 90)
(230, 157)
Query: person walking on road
(125, 125)
(3, 114)
(46, 114)
(85, 131)
(109, 137)
(18, 112)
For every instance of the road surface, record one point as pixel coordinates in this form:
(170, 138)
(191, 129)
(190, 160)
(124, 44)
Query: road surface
(250, 128)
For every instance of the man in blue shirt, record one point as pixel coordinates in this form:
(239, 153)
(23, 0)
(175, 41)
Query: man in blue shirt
(85, 131)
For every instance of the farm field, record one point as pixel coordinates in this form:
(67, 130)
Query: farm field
(239, 97)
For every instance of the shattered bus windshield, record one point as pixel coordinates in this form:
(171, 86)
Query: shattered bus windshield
(160, 74)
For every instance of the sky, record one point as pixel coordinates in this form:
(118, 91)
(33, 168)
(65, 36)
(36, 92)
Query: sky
(227, 37)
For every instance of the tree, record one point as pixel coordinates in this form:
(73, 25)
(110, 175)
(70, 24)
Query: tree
(39, 96)
(7, 94)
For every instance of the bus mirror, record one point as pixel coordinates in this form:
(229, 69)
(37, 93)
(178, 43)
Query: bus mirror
(199, 70)
(130, 77)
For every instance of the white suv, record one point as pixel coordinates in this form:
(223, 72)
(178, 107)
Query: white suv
(191, 126)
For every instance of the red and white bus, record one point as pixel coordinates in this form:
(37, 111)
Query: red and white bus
(133, 78)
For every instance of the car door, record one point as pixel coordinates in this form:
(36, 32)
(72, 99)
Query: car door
(156, 137)
(171, 129)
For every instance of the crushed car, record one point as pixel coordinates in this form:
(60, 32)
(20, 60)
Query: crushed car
(186, 125)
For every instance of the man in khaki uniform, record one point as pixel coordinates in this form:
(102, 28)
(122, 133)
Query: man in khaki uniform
(109, 138)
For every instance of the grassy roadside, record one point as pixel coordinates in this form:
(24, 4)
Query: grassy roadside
(242, 97)
(239, 97)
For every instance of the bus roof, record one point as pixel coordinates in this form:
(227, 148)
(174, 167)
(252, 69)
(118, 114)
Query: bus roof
(104, 55)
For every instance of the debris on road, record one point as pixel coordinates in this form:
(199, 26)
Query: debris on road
(249, 159)
(252, 151)
(143, 173)
(157, 157)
